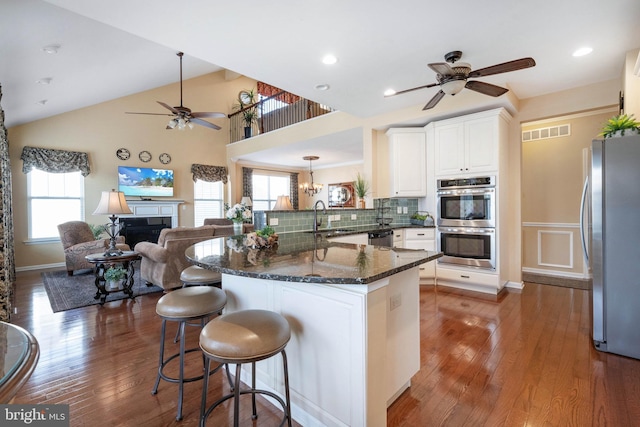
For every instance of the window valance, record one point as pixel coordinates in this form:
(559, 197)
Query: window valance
(54, 161)
(209, 173)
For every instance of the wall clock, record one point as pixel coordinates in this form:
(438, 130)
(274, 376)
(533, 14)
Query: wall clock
(165, 158)
(145, 156)
(123, 154)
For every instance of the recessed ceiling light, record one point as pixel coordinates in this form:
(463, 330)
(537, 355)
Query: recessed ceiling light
(329, 60)
(582, 51)
(44, 81)
(322, 87)
(52, 48)
(42, 102)
(389, 92)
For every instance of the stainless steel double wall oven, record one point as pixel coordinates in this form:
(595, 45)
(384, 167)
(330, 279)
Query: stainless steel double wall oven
(466, 221)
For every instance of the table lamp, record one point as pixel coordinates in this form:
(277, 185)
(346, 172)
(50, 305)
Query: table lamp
(283, 204)
(112, 203)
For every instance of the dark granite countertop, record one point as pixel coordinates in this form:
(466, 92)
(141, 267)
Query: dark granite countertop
(345, 231)
(305, 257)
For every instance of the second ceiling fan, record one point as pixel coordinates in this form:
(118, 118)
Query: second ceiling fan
(183, 116)
(453, 78)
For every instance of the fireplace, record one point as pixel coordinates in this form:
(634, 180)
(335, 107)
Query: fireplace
(140, 229)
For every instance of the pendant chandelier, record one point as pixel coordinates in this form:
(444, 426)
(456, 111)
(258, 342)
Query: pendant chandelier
(311, 189)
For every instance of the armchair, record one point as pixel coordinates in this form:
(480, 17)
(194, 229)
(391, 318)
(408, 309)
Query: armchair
(78, 241)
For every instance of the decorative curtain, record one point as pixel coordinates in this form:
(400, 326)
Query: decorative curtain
(54, 161)
(7, 256)
(267, 90)
(247, 182)
(209, 173)
(293, 189)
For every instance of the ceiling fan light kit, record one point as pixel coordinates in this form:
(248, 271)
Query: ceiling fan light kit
(182, 116)
(453, 78)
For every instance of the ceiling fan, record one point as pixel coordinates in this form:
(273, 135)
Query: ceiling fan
(183, 116)
(453, 78)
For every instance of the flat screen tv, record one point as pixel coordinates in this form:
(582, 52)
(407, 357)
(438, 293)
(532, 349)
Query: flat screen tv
(145, 182)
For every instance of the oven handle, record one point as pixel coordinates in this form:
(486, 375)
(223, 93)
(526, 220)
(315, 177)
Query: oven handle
(466, 191)
(479, 231)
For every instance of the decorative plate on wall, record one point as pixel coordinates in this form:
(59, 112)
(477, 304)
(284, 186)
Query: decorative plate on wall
(165, 158)
(123, 154)
(145, 156)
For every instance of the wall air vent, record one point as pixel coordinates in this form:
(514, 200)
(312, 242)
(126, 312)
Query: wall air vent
(546, 133)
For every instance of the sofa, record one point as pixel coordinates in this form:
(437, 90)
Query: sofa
(162, 262)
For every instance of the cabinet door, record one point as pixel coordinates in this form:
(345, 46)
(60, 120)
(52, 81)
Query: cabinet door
(408, 164)
(481, 141)
(449, 149)
(356, 239)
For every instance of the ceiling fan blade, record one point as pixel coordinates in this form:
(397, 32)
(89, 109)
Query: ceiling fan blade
(441, 68)
(436, 98)
(486, 88)
(205, 123)
(505, 67)
(209, 115)
(412, 89)
(173, 110)
(149, 114)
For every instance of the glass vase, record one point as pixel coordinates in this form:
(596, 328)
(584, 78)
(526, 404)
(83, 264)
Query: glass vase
(237, 227)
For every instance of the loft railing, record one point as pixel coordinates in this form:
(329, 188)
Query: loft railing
(273, 113)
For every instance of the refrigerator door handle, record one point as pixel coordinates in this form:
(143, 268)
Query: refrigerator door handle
(583, 202)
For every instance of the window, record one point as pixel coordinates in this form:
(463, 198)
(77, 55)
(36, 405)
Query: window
(267, 188)
(53, 198)
(207, 201)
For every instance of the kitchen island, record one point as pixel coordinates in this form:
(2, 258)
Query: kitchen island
(354, 316)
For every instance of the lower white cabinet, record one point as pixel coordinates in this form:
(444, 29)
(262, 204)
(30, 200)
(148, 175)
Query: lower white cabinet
(425, 239)
(469, 279)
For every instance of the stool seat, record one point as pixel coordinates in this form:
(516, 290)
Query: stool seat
(194, 275)
(244, 336)
(193, 302)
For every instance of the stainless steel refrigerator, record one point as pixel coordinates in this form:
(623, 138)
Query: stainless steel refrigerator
(612, 193)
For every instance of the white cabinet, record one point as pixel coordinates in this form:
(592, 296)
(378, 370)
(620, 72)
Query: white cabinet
(398, 238)
(425, 239)
(407, 170)
(469, 145)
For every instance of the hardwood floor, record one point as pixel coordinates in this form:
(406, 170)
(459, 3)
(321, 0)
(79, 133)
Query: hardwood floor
(524, 358)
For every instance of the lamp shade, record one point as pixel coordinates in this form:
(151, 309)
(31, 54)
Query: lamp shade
(283, 204)
(246, 201)
(112, 203)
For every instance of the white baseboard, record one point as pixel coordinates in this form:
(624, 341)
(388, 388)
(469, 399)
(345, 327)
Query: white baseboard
(40, 267)
(514, 285)
(555, 273)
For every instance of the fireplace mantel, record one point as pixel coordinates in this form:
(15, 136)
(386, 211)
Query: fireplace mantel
(154, 208)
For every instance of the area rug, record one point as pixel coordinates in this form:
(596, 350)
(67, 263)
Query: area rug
(69, 292)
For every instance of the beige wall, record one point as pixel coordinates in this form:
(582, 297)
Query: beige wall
(101, 129)
(632, 84)
(553, 173)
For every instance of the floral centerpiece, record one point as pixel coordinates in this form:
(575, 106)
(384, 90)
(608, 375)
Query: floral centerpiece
(238, 213)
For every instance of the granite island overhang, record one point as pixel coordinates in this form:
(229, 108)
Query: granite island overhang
(354, 314)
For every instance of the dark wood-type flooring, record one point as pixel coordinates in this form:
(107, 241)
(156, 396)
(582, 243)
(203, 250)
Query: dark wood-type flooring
(520, 359)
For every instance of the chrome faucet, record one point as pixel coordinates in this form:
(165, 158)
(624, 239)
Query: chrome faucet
(315, 214)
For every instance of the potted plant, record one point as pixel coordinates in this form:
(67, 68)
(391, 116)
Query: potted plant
(246, 101)
(97, 230)
(619, 125)
(114, 277)
(361, 187)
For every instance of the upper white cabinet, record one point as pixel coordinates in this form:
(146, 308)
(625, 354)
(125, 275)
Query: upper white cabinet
(469, 145)
(407, 152)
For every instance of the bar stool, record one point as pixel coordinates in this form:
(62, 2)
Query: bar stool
(198, 276)
(183, 306)
(246, 336)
